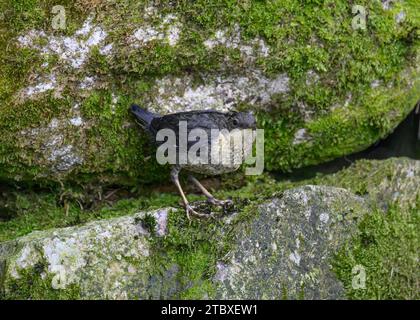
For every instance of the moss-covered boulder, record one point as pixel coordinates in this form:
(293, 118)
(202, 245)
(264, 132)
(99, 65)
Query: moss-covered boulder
(283, 251)
(320, 87)
(286, 251)
(104, 259)
(281, 240)
(394, 181)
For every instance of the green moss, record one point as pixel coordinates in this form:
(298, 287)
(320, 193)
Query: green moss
(315, 36)
(36, 284)
(387, 247)
(195, 247)
(48, 211)
(20, 16)
(192, 248)
(148, 222)
(385, 243)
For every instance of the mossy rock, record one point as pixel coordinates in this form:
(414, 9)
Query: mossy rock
(281, 240)
(285, 252)
(319, 88)
(121, 258)
(103, 259)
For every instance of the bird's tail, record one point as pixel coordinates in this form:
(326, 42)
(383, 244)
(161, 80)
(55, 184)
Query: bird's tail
(145, 117)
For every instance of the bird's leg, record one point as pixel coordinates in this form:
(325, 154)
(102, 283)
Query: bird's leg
(188, 208)
(210, 197)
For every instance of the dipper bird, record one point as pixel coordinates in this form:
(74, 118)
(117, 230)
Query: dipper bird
(207, 122)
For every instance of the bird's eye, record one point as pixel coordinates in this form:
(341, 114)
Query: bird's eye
(235, 122)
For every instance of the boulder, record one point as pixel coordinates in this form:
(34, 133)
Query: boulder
(321, 82)
(279, 245)
(285, 252)
(394, 181)
(281, 250)
(100, 260)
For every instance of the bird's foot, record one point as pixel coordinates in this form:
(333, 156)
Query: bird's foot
(221, 203)
(191, 212)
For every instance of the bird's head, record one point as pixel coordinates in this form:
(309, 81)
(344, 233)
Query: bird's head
(241, 120)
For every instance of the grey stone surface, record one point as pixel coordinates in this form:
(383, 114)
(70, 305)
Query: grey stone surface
(107, 259)
(286, 251)
(283, 252)
(280, 248)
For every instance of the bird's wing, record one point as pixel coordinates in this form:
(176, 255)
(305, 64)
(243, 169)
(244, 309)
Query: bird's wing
(205, 120)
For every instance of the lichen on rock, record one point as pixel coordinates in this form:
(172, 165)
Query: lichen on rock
(343, 88)
(108, 259)
(285, 251)
(281, 240)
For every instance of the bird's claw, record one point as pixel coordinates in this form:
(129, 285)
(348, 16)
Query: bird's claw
(190, 211)
(220, 203)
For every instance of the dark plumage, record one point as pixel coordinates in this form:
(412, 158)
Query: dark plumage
(205, 120)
